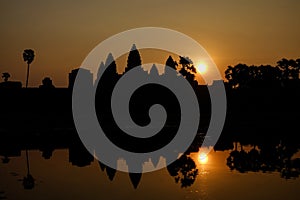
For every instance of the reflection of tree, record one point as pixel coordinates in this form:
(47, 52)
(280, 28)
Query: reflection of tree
(254, 159)
(184, 171)
(231, 160)
(28, 181)
(269, 158)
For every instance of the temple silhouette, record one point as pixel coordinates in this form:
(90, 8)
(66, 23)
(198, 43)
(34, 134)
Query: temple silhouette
(262, 111)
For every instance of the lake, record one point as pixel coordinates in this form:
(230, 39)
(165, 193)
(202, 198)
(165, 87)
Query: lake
(63, 176)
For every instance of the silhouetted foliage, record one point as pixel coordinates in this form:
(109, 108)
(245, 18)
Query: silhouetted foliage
(9, 84)
(28, 56)
(184, 171)
(243, 76)
(47, 83)
(289, 69)
(5, 76)
(188, 70)
(270, 158)
(264, 156)
(238, 76)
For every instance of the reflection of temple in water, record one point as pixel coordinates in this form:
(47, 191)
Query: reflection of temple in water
(43, 121)
(259, 157)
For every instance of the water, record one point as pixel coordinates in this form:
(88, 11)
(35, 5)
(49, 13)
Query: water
(57, 178)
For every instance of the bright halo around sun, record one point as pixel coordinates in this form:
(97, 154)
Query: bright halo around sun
(202, 158)
(202, 68)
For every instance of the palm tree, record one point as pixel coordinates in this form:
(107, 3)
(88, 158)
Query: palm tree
(28, 56)
(5, 76)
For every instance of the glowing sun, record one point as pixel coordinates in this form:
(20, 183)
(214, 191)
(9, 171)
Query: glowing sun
(202, 68)
(202, 158)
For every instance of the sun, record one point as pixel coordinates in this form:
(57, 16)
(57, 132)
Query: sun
(202, 68)
(203, 158)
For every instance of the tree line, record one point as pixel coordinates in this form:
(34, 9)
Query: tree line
(244, 76)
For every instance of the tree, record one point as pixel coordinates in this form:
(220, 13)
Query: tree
(187, 69)
(134, 58)
(289, 68)
(187, 63)
(298, 67)
(230, 76)
(47, 83)
(269, 73)
(243, 75)
(238, 76)
(5, 76)
(184, 171)
(28, 56)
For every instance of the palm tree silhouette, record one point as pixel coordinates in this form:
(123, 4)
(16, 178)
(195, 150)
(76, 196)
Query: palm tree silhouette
(28, 181)
(28, 56)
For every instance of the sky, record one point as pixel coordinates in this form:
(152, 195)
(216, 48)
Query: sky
(62, 33)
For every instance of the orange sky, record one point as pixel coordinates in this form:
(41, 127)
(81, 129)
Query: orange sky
(62, 33)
